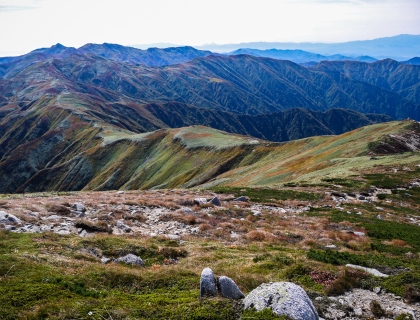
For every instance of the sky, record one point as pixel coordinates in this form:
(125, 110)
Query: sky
(26, 25)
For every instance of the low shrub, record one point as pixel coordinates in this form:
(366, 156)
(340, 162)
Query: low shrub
(98, 226)
(347, 280)
(58, 209)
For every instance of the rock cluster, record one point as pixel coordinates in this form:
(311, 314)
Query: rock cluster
(223, 286)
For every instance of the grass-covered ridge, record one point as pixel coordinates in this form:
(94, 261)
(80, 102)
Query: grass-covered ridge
(105, 157)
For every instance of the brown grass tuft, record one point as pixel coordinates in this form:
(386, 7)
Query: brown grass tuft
(255, 235)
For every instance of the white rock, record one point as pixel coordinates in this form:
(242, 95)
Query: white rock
(284, 298)
(371, 271)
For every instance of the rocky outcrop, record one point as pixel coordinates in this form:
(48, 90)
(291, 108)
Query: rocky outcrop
(284, 298)
(8, 218)
(360, 304)
(131, 259)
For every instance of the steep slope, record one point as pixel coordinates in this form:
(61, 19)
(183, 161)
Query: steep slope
(388, 74)
(67, 154)
(238, 84)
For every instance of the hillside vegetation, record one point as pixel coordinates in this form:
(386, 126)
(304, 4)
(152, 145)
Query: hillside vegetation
(98, 158)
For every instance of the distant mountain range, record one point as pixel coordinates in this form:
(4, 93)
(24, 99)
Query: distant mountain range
(60, 109)
(239, 84)
(400, 48)
(153, 57)
(299, 56)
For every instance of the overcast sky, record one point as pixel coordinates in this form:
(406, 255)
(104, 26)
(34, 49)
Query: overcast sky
(29, 24)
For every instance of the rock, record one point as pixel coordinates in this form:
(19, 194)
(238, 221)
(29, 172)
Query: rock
(105, 260)
(79, 207)
(32, 214)
(131, 259)
(256, 213)
(243, 199)
(123, 227)
(284, 298)
(215, 201)
(358, 233)
(120, 192)
(187, 210)
(199, 201)
(377, 290)
(229, 289)
(379, 217)
(331, 246)
(9, 218)
(371, 271)
(208, 287)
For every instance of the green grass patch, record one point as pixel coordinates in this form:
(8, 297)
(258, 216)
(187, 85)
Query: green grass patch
(268, 195)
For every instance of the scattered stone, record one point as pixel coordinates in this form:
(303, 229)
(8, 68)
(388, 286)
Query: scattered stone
(256, 213)
(79, 207)
(284, 298)
(131, 259)
(331, 246)
(208, 287)
(358, 233)
(32, 214)
(187, 210)
(229, 289)
(371, 271)
(123, 227)
(120, 192)
(9, 218)
(105, 260)
(83, 233)
(199, 201)
(215, 201)
(242, 199)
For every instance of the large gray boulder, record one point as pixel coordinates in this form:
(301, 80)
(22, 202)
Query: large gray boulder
(208, 287)
(131, 259)
(284, 298)
(229, 289)
(9, 218)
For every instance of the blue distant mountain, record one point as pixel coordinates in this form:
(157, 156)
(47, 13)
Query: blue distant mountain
(401, 47)
(413, 61)
(299, 56)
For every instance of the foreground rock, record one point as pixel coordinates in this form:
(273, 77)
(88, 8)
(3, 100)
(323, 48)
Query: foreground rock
(131, 259)
(229, 289)
(208, 286)
(284, 298)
